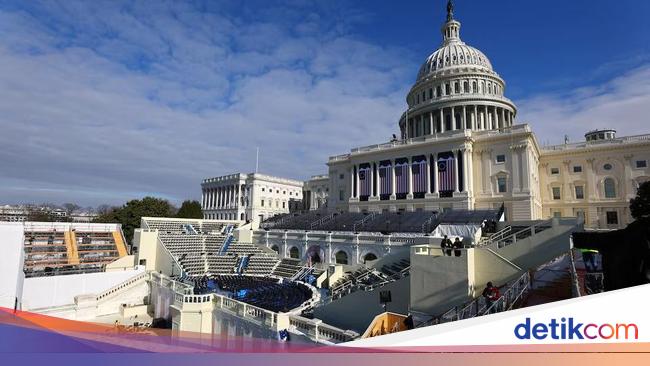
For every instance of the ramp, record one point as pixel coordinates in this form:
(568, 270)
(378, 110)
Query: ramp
(71, 247)
(119, 243)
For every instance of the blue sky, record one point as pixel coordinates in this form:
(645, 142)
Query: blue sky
(105, 101)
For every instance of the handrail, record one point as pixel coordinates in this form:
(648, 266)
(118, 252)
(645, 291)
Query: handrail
(126, 283)
(322, 220)
(476, 307)
(361, 222)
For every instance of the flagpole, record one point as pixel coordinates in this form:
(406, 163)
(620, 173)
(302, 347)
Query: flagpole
(257, 159)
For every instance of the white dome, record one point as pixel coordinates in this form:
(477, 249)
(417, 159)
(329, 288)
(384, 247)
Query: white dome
(453, 53)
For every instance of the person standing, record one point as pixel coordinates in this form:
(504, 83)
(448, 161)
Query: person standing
(457, 245)
(443, 245)
(491, 295)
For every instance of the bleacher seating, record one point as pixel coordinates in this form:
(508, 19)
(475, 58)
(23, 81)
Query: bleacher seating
(260, 265)
(70, 248)
(298, 221)
(287, 267)
(341, 221)
(221, 263)
(402, 222)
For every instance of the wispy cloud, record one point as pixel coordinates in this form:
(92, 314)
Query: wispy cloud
(124, 99)
(620, 103)
(104, 101)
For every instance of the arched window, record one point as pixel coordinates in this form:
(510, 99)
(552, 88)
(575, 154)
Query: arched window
(438, 91)
(474, 87)
(341, 257)
(294, 253)
(610, 188)
(466, 87)
(369, 257)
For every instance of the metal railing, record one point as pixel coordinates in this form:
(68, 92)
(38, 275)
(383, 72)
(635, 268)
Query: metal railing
(506, 237)
(514, 291)
(321, 221)
(362, 222)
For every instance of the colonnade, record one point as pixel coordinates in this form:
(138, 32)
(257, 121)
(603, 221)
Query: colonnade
(464, 175)
(473, 117)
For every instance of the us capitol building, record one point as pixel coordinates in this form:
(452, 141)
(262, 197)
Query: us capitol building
(462, 148)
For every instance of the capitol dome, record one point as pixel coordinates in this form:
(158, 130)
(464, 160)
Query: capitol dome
(453, 54)
(456, 89)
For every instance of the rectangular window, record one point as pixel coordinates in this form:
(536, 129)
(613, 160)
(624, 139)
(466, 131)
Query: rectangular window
(555, 171)
(577, 169)
(283, 204)
(580, 192)
(341, 176)
(612, 217)
(501, 158)
(501, 184)
(341, 195)
(430, 93)
(641, 164)
(556, 193)
(262, 203)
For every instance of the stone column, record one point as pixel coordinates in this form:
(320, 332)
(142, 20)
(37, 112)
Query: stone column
(442, 120)
(435, 173)
(495, 121)
(428, 174)
(431, 130)
(453, 119)
(465, 171)
(352, 181)
(515, 168)
(525, 171)
(456, 172)
(464, 119)
(470, 171)
(372, 180)
(356, 191)
(393, 187)
(376, 178)
(409, 173)
(503, 118)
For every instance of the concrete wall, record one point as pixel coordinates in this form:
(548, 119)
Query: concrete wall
(123, 264)
(52, 291)
(438, 282)
(11, 265)
(357, 310)
(145, 243)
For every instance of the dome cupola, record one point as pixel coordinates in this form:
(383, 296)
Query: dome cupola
(456, 89)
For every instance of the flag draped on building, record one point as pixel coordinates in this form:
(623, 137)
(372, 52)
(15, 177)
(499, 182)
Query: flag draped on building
(418, 169)
(401, 178)
(364, 181)
(446, 174)
(385, 180)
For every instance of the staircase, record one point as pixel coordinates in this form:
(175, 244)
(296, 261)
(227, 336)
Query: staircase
(242, 263)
